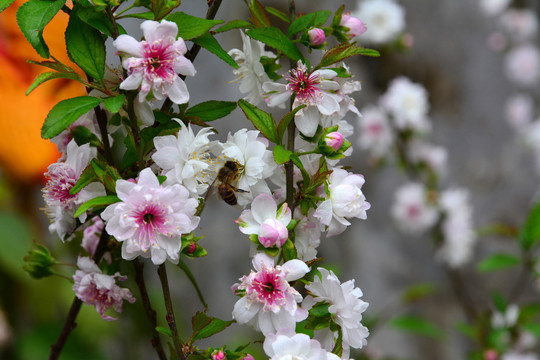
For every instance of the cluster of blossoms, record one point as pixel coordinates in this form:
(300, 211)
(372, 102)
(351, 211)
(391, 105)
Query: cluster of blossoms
(515, 36)
(157, 205)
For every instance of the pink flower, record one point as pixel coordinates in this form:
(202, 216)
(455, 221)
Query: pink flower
(316, 36)
(93, 287)
(153, 64)
(91, 235)
(269, 302)
(356, 26)
(218, 355)
(334, 140)
(151, 217)
(266, 220)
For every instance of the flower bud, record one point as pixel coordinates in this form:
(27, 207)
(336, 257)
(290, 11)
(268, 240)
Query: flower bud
(334, 140)
(273, 232)
(248, 357)
(355, 25)
(316, 37)
(218, 355)
(38, 262)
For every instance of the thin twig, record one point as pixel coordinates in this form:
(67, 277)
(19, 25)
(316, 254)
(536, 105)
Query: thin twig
(150, 312)
(102, 124)
(291, 133)
(171, 321)
(70, 323)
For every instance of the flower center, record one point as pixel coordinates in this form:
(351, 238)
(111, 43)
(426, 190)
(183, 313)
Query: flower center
(159, 58)
(268, 288)
(61, 179)
(303, 84)
(151, 220)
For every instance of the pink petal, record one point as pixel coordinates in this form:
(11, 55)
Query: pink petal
(127, 44)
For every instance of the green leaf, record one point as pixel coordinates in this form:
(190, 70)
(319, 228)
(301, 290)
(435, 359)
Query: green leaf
(4, 4)
(284, 122)
(32, 17)
(234, 24)
(82, 135)
(50, 75)
(99, 20)
(289, 250)
(281, 155)
(279, 14)
(263, 121)
(497, 262)
(193, 281)
(210, 43)
(467, 330)
(85, 47)
(213, 327)
(416, 325)
(418, 292)
(258, 14)
(211, 110)
(530, 233)
(304, 22)
(342, 52)
(161, 8)
(55, 65)
(144, 16)
(65, 113)
(16, 234)
(164, 331)
(190, 27)
(320, 309)
(273, 37)
(533, 328)
(87, 176)
(114, 104)
(99, 201)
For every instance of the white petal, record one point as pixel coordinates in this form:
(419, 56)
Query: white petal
(294, 269)
(328, 105)
(148, 179)
(155, 31)
(144, 112)
(127, 44)
(178, 92)
(263, 207)
(184, 66)
(262, 260)
(132, 82)
(244, 311)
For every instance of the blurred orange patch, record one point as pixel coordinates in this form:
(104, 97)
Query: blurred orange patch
(23, 154)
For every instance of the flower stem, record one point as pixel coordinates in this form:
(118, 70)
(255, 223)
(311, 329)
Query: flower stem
(150, 313)
(171, 321)
(70, 323)
(102, 124)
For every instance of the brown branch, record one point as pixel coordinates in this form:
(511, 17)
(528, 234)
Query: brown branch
(70, 323)
(171, 321)
(150, 313)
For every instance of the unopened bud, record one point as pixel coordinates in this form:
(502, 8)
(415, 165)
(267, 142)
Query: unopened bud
(491, 354)
(218, 355)
(273, 232)
(38, 262)
(355, 25)
(192, 248)
(316, 36)
(334, 140)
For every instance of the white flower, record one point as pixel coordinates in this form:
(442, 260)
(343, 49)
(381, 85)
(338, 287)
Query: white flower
(313, 89)
(411, 209)
(266, 221)
(457, 228)
(344, 200)
(307, 236)
(250, 72)
(519, 111)
(522, 65)
(376, 134)
(185, 158)
(430, 155)
(517, 355)
(153, 64)
(256, 163)
(151, 217)
(94, 288)
(494, 7)
(286, 345)
(408, 104)
(345, 304)
(62, 176)
(384, 19)
(520, 24)
(269, 302)
(506, 319)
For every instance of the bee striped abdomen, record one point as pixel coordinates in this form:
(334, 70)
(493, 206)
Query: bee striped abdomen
(226, 193)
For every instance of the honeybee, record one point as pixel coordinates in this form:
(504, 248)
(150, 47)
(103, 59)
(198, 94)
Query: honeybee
(226, 176)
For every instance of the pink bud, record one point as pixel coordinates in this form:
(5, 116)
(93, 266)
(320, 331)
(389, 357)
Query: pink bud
(334, 139)
(491, 355)
(218, 355)
(192, 247)
(273, 232)
(355, 25)
(248, 357)
(316, 36)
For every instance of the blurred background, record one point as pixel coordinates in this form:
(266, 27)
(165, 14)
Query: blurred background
(467, 92)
